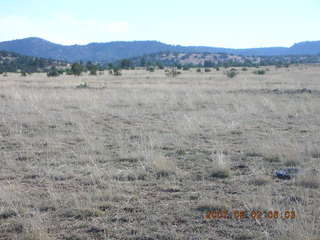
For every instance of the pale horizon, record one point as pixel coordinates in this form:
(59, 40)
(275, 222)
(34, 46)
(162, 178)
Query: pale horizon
(228, 24)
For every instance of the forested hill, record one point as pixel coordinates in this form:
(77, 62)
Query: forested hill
(13, 62)
(215, 60)
(113, 51)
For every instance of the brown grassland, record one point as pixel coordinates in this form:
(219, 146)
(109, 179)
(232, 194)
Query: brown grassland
(143, 156)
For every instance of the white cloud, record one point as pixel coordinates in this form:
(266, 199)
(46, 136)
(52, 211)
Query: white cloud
(62, 29)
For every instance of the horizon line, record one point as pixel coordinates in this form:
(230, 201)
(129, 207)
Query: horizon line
(127, 41)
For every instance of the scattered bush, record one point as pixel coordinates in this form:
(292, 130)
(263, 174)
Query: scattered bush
(273, 158)
(7, 214)
(82, 85)
(53, 72)
(115, 71)
(150, 69)
(260, 72)
(80, 213)
(185, 68)
(309, 180)
(260, 180)
(199, 70)
(231, 73)
(77, 69)
(219, 173)
(172, 73)
(207, 70)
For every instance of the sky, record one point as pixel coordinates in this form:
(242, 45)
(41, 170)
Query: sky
(216, 23)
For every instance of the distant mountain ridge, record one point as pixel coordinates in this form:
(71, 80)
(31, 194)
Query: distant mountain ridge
(113, 51)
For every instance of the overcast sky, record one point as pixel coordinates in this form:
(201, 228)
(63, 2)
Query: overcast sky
(220, 23)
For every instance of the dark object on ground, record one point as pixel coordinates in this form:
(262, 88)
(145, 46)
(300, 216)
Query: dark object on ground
(287, 173)
(291, 91)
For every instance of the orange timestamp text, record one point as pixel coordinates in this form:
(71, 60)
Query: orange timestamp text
(254, 214)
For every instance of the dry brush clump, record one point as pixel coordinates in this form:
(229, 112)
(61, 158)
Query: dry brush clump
(220, 167)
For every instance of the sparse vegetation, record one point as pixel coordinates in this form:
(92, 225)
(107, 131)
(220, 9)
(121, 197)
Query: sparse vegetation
(231, 73)
(260, 72)
(77, 69)
(115, 71)
(150, 69)
(82, 85)
(173, 72)
(53, 72)
(144, 156)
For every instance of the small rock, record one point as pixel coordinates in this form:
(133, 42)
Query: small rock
(287, 173)
(95, 229)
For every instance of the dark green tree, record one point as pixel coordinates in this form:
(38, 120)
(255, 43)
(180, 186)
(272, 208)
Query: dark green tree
(92, 68)
(125, 64)
(53, 72)
(76, 69)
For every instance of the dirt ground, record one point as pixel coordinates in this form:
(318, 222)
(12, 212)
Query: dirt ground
(143, 156)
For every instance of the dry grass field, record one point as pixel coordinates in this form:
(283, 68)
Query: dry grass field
(143, 156)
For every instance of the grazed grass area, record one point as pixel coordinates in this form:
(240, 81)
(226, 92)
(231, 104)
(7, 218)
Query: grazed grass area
(144, 156)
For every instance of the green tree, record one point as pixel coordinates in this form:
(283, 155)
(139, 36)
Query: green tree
(92, 68)
(76, 69)
(53, 72)
(125, 63)
(143, 62)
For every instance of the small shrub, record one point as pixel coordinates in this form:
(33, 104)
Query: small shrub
(260, 180)
(199, 70)
(93, 72)
(36, 234)
(150, 69)
(291, 163)
(260, 72)
(82, 85)
(231, 74)
(315, 153)
(162, 166)
(115, 72)
(309, 181)
(23, 74)
(7, 214)
(272, 159)
(206, 206)
(217, 69)
(244, 69)
(69, 72)
(248, 236)
(185, 68)
(207, 70)
(219, 173)
(80, 213)
(220, 167)
(173, 73)
(53, 73)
